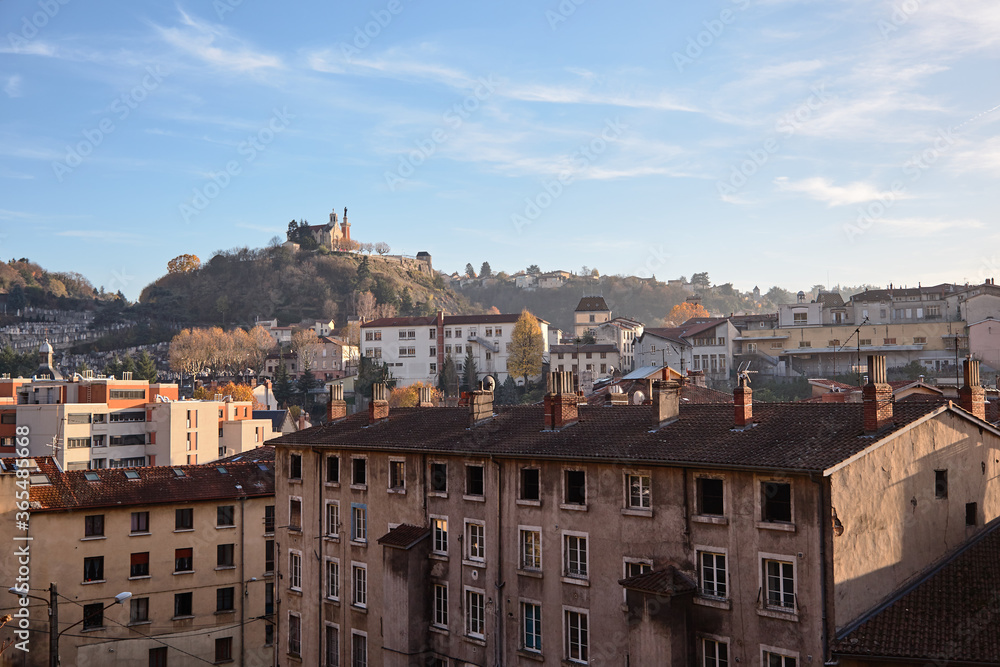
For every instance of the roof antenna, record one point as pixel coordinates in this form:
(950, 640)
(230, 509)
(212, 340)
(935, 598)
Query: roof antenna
(744, 373)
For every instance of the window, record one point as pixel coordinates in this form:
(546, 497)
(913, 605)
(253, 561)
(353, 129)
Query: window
(93, 568)
(269, 601)
(971, 513)
(919, 340)
(805, 343)
(531, 626)
(224, 599)
(714, 653)
(576, 636)
(359, 523)
(440, 605)
(888, 341)
(224, 555)
(941, 484)
(139, 610)
(530, 486)
(333, 469)
(360, 579)
(779, 584)
(294, 634)
(93, 525)
(475, 537)
(183, 560)
(474, 480)
(93, 616)
(359, 472)
(710, 498)
(333, 579)
(333, 519)
(776, 501)
(269, 519)
(224, 516)
(295, 570)
(576, 487)
(531, 548)
(184, 519)
(359, 650)
(866, 341)
(136, 416)
(294, 466)
(638, 492)
(800, 318)
(140, 522)
(182, 604)
(269, 556)
(439, 477)
(295, 514)
(440, 536)
(332, 646)
(712, 571)
(772, 659)
(223, 649)
(475, 613)
(575, 555)
(139, 565)
(397, 475)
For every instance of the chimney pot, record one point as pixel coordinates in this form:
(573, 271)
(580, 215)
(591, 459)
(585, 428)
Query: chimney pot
(876, 396)
(560, 403)
(337, 408)
(378, 409)
(743, 404)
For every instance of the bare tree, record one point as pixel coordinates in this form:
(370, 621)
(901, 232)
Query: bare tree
(385, 310)
(260, 343)
(382, 248)
(364, 305)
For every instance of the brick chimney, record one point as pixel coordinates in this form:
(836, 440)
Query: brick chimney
(877, 396)
(378, 409)
(743, 403)
(972, 396)
(616, 398)
(666, 400)
(560, 401)
(480, 406)
(337, 408)
(425, 398)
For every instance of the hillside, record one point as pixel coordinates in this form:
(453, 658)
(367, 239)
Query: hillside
(237, 286)
(27, 284)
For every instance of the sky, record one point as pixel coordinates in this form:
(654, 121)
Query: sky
(769, 142)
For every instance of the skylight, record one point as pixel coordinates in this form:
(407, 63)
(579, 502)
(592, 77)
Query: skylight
(131, 474)
(38, 478)
(91, 476)
(222, 470)
(179, 472)
(262, 466)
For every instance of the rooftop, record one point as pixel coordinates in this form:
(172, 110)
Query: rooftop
(592, 303)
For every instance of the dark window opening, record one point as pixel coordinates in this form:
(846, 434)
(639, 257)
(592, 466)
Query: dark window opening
(474, 480)
(710, 497)
(93, 616)
(295, 466)
(776, 501)
(941, 484)
(576, 487)
(359, 473)
(530, 486)
(333, 469)
(439, 477)
(971, 513)
(139, 565)
(184, 519)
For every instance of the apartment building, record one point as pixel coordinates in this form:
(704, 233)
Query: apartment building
(591, 312)
(621, 332)
(601, 360)
(699, 344)
(707, 534)
(89, 422)
(192, 546)
(415, 348)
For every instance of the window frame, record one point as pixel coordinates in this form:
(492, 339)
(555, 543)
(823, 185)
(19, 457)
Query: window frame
(332, 582)
(132, 565)
(782, 653)
(137, 520)
(522, 498)
(436, 532)
(186, 597)
(583, 631)
(359, 594)
(220, 515)
(765, 604)
(93, 617)
(95, 564)
(536, 561)
(397, 475)
(469, 495)
(719, 642)
(568, 574)
(295, 570)
(295, 513)
(222, 596)
(221, 553)
(138, 611)
(639, 475)
(699, 494)
(294, 646)
(477, 557)
(359, 530)
(536, 622)
(566, 502)
(700, 552)
(182, 515)
(332, 459)
(439, 611)
(295, 466)
(356, 660)
(331, 658)
(332, 528)
(762, 502)
(475, 627)
(90, 528)
(361, 461)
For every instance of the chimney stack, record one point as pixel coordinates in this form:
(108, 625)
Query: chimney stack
(877, 396)
(743, 403)
(666, 401)
(560, 401)
(616, 398)
(972, 396)
(337, 408)
(480, 406)
(425, 398)
(378, 409)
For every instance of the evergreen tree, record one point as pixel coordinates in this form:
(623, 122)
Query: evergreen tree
(282, 384)
(145, 367)
(448, 378)
(470, 374)
(470, 271)
(128, 366)
(406, 302)
(486, 271)
(114, 367)
(306, 382)
(371, 371)
(506, 393)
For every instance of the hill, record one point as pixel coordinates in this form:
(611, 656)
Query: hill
(27, 284)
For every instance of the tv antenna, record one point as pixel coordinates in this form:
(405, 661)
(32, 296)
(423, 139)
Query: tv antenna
(744, 372)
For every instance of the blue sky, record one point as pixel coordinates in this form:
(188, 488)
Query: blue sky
(770, 142)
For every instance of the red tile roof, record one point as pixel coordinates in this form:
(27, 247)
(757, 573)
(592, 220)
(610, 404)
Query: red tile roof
(669, 582)
(592, 304)
(951, 615)
(572, 349)
(401, 322)
(264, 453)
(404, 536)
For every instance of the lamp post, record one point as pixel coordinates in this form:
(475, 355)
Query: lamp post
(54, 620)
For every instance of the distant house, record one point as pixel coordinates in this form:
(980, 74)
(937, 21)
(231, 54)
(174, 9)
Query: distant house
(553, 279)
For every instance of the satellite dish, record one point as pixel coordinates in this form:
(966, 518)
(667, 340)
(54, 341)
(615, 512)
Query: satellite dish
(638, 398)
(489, 384)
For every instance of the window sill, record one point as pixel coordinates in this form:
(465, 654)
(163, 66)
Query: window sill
(184, 530)
(225, 527)
(295, 591)
(332, 485)
(139, 534)
(576, 581)
(142, 576)
(359, 543)
(632, 511)
(537, 574)
(706, 518)
(332, 538)
(359, 487)
(223, 662)
(95, 581)
(475, 499)
(473, 563)
(474, 640)
(401, 492)
(439, 630)
(775, 525)
(528, 503)
(222, 612)
(334, 601)
(437, 494)
(134, 623)
(530, 655)
(434, 556)
(225, 567)
(93, 537)
(718, 603)
(573, 506)
(93, 629)
(183, 572)
(294, 480)
(777, 613)
(360, 610)
(182, 618)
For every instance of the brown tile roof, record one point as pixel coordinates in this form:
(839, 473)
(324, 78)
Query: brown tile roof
(668, 582)
(154, 485)
(592, 303)
(952, 613)
(401, 322)
(264, 454)
(830, 299)
(786, 436)
(690, 393)
(404, 536)
(571, 349)
(502, 318)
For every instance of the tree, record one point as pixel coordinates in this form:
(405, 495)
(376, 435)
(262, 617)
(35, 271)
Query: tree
(533, 269)
(507, 392)
(406, 302)
(526, 347)
(485, 271)
(470, 374)
(259, 343)
(364, 305)
(16, 299)
(470, 271)
(184, 264)
(448, 377)
(382, 248)
(409, 397)
(683, 312)
(307, 381)
(370, 372)
(700, 280)
(145, 367)
(282, 387)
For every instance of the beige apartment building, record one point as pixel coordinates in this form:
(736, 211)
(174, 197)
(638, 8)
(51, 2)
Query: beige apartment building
(670, 534)
(193, 545)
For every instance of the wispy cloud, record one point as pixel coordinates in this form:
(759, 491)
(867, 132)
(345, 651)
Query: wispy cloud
(930, 226)
(13, 86)
(102, 235)
(217, 46)
(823, 189)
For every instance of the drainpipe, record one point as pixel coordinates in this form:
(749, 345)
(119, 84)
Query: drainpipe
(499, 645)
(820, 513)
(321, 511)
(243, 580)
